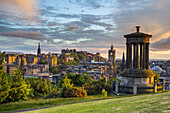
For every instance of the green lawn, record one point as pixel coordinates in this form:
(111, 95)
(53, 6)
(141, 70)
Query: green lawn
(31, 104)
(159, 102)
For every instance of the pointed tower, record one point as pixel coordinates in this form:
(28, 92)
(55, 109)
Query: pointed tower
(123, 62)
(112, 55)
(39, 50)
(22, 64)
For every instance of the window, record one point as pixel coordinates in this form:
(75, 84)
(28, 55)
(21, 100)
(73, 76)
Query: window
(149, 80)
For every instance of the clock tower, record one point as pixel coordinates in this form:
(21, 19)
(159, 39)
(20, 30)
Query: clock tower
(112, 55)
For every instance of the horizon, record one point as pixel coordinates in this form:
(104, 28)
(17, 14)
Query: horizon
(90, 26)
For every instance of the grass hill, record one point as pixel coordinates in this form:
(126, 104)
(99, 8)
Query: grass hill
(159, 102)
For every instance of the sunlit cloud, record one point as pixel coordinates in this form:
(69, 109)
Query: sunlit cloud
(37, 35)
(25, 9)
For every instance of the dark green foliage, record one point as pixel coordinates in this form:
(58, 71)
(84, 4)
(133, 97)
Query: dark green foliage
(62, 57)
(82, 57)
(156, 77)
(5, 85)
(54, 93)
(103, 80)
(70, 63)
(1, 60)
(13, 88)
(79, 79)
(67, 89)
(115, 79)
(65, 84)
(40, 87)
(76, 58)
(96, 87)
(42, 62)
(57, 69)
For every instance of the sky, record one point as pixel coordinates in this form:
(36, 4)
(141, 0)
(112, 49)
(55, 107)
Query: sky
(85, 25)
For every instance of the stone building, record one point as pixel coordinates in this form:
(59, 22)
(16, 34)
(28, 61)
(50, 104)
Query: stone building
(112, 55)
(136, 72)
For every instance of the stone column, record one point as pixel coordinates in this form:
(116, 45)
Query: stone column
(116, 88)
(130, 56)
(127, 55)
(141, 56)
(134, 89)
(134, 55)
(144, 56)
(163, 85)
(155, 87)
(147, 56)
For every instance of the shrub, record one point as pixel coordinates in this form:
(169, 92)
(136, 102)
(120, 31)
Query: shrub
(40, 87)
(13, 88)
(65, 84)
(79, 79)
(96, 87)
(104, 93)
(53, 94)
(75, 92)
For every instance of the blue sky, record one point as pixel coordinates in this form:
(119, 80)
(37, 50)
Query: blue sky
(89, 25)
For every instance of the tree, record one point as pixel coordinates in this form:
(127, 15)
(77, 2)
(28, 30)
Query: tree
(79, 79)
(95, 87)
(115, 79)
(82, 57)
(40, 87)
(66, 84)
(103, 80)
(156, 77)
(1, 60)
(42, 62)
(55, 69)
(5, 86)
(76, 58)
(19, 89)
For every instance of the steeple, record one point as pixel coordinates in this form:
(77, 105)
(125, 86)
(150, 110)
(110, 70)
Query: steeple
(112, 47)
(39, 50)
(123, 58)
(123, 62)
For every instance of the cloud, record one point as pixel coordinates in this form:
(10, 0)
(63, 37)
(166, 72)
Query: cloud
(25, 9)
(151, 16)
(161, 45)
(37, 35)
(51, 24)
(87, 3)
(72, 28)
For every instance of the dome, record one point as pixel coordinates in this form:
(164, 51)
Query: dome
(157, 69)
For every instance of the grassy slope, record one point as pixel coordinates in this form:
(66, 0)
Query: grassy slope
(30, 104)
(143, 103)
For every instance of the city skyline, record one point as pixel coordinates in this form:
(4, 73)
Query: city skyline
(83, 25)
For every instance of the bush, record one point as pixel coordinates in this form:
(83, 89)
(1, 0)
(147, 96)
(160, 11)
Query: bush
(104, 93)
(13, 88)
(79, 79)
(96, 87)
(75, 92)
(40, 87)
(54, 93)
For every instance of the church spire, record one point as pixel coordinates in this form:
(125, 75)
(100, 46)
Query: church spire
(39, 50)
(123, 62)
(112, 46)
